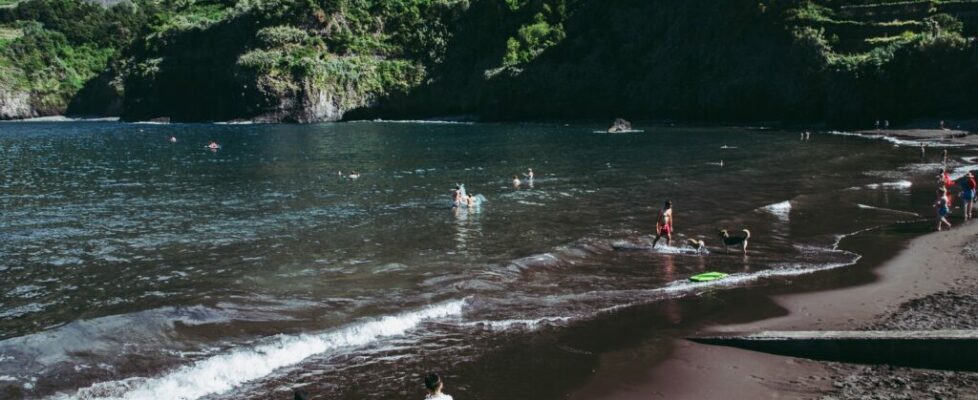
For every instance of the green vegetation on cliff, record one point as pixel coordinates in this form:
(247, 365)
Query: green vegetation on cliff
(843, 61)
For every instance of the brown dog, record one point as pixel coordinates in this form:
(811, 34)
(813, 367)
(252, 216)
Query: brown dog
(699, 245)
(735, 240)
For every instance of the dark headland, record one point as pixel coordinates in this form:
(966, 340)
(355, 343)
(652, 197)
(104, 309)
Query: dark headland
(841, 62)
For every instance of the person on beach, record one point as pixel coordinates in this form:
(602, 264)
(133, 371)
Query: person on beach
(877, 125)
(886, 124)
(923, 150)
(943, 209)
(945, 159)
(663, 224)
(808, 135)
(434, 384)
(967, 184)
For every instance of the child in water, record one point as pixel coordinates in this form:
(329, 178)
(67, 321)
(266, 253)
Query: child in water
(434, 384)
(516, 181)
(943, 209)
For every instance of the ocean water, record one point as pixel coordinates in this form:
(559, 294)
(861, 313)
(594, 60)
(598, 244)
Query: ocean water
(136, 268)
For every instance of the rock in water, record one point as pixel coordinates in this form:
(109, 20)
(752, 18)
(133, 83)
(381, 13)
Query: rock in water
(620, 125)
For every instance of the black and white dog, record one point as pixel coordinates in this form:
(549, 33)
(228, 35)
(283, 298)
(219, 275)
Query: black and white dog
(735, 240)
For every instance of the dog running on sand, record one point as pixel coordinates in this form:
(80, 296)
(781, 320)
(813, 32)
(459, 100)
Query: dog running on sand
(735, 240)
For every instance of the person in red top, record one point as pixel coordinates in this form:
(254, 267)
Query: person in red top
(663, 224)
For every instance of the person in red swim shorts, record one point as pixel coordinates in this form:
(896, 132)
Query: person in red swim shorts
(663, 225)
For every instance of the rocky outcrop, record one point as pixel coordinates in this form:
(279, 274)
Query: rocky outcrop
(16, 105)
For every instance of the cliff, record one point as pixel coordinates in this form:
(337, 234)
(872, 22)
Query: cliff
(847, 62)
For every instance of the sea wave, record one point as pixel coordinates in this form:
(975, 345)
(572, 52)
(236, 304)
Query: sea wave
(781, 210)
(418, 121)
(894, 140)
(223, 372)
(62, 118)
(902, 184)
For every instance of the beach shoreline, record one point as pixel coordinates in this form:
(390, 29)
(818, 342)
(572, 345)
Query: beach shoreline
(932, 272)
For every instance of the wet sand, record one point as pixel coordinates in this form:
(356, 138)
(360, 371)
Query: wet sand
(930, 284)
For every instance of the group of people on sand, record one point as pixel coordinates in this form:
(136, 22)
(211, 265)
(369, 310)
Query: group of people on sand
(967, 186)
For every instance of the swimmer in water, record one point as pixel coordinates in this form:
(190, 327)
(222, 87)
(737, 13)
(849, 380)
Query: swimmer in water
(529, 173)
(434, 384)
(721, 163)
(173, 139)
(516, 181)
(354, 175)
(469, 201)
(213, 145)
(663, 224)
(456, 196)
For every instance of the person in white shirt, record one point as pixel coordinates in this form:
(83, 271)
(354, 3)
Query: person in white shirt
(434, 385)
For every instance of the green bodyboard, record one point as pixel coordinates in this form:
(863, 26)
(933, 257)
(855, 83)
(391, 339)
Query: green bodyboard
(709, 276)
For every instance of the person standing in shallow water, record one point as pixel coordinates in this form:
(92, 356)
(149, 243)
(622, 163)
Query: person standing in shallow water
(943, 209)
(663, 224)
(434, 384)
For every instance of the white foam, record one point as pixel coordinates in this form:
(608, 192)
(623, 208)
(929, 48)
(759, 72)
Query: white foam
(527, 324)
(781, 210)
(220, 373)
(682, 287)
(887, 209)
(904, 184)
(419, 121)
(661, 248)
(895, 141)
(623, 131)
(62, 118)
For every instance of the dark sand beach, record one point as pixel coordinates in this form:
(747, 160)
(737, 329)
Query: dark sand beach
(929, 285)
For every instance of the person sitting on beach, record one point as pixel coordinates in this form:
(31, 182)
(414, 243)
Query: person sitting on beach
(516, 181)
(434, 384)
(663, 224)
(943, 209)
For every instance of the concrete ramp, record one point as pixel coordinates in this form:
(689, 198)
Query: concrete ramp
(944, 349)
